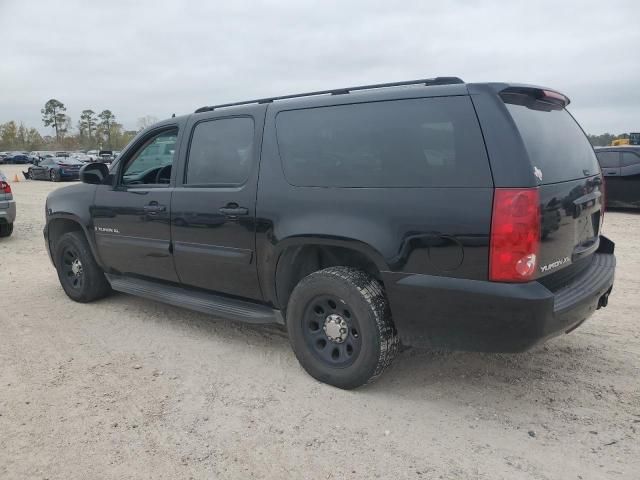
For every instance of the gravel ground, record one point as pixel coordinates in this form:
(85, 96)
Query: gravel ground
(129, 388)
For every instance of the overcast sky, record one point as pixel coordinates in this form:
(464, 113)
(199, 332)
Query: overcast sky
(159, 57)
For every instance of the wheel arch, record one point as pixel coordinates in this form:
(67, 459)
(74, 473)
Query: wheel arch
(60, 224)
(297, 257)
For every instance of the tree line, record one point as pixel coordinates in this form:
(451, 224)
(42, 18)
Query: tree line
(605, 139)
(102, 131)
(92, 131)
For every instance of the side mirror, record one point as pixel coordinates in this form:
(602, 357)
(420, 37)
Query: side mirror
(94, 173)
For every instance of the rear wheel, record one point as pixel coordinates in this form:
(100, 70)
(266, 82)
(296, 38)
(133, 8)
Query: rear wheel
(340, 327)
(79, 274)
(30, 174)
(54, 175)
(6, 229)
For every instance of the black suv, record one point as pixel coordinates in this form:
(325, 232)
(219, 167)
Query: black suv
(621, 168)
(433, 213)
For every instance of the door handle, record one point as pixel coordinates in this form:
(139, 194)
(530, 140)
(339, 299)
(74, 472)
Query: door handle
(232, 209)
(154, 208)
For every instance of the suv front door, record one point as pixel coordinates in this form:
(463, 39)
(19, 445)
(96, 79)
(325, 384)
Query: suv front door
(213, 206)
(131, 217)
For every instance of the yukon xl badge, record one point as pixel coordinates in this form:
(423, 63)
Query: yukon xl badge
(106, 229)
(552, 265)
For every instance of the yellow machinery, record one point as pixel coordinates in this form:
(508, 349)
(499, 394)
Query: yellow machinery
(620, 141)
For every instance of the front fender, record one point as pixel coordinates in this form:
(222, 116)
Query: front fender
(72, 204)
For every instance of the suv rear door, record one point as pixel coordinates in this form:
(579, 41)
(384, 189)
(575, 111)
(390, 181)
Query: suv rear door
(213, 207)
(628, 185)
(568, 177)
(609, 162)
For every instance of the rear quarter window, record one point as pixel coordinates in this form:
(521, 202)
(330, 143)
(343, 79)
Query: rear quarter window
(555, 143)
(427, 142)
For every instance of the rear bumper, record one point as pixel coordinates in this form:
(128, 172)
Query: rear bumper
(7, 211)
(462, 314)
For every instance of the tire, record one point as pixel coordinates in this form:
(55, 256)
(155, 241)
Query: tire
(84, 281)
(54, 175)
(6, 229)
(30, 174)
(343, 310)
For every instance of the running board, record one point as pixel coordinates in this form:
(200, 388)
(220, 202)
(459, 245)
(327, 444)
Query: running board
(217, 305)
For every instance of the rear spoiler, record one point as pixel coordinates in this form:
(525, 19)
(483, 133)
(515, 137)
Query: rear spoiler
(535, 98)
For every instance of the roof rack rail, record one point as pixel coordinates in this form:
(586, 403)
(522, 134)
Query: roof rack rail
(341, 91)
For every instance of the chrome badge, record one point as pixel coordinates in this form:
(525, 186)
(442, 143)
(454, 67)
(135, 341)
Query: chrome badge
(538, 173)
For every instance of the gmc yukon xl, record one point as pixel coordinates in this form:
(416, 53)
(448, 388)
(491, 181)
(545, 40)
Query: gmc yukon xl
(431, 213)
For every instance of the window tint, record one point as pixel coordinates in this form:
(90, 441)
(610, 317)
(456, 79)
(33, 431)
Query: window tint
(402, 143)
(221, 152)
(555, 143)
(630, 158)
(609, 159)
(156, 153)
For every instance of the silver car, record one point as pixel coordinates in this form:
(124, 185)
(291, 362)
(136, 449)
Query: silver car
(7, 207)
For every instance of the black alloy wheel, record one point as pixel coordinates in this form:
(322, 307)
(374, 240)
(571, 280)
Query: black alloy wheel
(331, 331)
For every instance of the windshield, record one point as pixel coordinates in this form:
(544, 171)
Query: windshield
(558, 148)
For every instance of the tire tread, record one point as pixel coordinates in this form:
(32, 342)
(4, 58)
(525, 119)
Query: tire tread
(372, 292)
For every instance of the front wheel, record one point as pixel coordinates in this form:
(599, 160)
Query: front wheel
(30, 174)
(80, 276)
(340, 327)
(54, 175)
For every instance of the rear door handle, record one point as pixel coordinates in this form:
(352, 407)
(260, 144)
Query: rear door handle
(232, 209)
(154, 208)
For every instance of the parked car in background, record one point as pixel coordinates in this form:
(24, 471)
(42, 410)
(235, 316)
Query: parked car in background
(17, 158)
(7, 207)
(105, 156)
(55, 169)
(621, 168)
(81, 157)
(93, 155)
(3, 155)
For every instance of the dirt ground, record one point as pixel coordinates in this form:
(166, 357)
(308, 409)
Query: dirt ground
(128, 388)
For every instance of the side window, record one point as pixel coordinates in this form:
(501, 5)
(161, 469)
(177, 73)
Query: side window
(608, 159)
(221, 152)
(630, 158)
(428, 142)
(151, 163)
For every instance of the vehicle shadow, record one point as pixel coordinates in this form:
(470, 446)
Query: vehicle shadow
(553, 372)
(416, 373)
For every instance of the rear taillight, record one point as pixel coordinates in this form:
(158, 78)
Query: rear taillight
(515, 234)
(5, 187)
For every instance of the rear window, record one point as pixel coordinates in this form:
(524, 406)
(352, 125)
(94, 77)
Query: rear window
(556, 145)
(432, 142)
